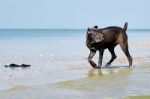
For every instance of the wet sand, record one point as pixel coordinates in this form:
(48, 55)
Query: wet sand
(114, 82)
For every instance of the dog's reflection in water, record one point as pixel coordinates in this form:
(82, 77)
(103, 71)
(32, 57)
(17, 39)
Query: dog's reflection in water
(92, 72)
(101, 72)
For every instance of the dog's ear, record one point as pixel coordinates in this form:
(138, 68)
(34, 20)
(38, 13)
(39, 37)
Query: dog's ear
(88, 30)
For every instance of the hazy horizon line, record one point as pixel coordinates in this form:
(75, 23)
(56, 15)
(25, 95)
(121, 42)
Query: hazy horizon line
(130, 29)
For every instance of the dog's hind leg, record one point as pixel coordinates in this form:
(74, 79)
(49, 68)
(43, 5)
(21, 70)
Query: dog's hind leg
(113, 55)
(124, 47)
(92, 53)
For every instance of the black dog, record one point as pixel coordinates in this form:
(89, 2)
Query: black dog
(109, 37)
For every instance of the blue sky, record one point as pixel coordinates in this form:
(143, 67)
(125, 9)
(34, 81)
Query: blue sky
(74, 13)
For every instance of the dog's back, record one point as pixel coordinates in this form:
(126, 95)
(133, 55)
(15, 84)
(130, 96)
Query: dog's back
(114, 34)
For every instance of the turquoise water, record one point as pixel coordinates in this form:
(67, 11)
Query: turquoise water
(30, 33)
(54, 40)
(28, 41)
(58, 33)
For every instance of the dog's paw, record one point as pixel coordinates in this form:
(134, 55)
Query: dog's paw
(98, 67)
(107, 65)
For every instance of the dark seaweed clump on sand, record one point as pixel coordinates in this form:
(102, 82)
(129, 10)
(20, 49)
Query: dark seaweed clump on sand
(16, 65)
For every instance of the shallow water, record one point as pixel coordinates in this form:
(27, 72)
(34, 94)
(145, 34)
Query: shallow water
(107, 83)
(59, 66)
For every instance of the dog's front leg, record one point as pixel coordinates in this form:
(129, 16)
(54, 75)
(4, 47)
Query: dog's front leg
(92, 53)
(101, 51)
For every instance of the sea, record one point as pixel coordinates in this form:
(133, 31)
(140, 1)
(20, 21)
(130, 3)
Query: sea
(60, 54)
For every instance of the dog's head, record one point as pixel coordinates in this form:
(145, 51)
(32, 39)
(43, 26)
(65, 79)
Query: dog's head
(94, 35)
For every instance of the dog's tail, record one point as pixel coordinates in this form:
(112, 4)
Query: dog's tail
(125, 26)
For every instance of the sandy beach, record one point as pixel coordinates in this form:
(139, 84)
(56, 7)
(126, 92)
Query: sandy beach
(65, 73)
